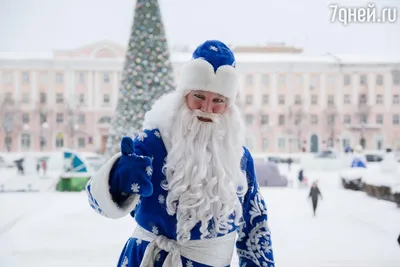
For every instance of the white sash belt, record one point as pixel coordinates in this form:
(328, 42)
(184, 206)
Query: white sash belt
(214, 251)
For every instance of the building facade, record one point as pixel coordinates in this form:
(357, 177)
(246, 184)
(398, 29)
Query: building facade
(290, 101)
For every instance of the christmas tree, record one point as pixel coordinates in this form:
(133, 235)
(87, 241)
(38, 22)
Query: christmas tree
(147, 73)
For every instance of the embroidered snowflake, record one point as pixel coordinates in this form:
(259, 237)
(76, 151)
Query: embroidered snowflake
(149, 170)
(213, 48)
(141, 136)
(161, 199)
(125, 262)
(189, 264)
(157, 133)
(135, 187)
(138, 241)
(154, 230)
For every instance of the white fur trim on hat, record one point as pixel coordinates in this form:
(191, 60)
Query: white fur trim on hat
(198, 74)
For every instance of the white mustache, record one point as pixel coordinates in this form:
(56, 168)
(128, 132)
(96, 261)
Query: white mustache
(198, 113)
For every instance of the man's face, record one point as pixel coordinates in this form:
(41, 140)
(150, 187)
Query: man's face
(207, 102)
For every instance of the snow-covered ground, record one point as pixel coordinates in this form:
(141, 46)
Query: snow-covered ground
(50, 229)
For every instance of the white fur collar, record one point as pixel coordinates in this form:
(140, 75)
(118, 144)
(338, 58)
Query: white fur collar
(162, 115)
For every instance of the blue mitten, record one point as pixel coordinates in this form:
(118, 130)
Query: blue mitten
(131, 173)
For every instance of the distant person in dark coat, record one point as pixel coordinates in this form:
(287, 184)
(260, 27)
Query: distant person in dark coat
(301, 176)
(38, 167)
(315, 194)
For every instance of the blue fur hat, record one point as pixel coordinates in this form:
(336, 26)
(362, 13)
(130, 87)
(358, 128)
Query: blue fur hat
(212, 69)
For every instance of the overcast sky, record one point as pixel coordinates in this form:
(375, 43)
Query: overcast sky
(47, 25)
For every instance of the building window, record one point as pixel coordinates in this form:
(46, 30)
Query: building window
(59, 78)
(331, 100)
(25, 141)
(7, 77)
(363, 80)
(347, 79)
(396, 77)
(59, 140)
(8, 142)
(379, 99)
(42, 141)
(297, 100)
(25, 118)
(82, 99)
(59, 98)
(346, 99)
(265, 79)
(282, 80)
(314, 119)
(281, 142)
(314, 99)
(106, 77)
(8, 98)
(281, 119)
(265, 144)
(81, 142)
(106, 99)
(59, 118)
(331, 119)
(43, 77)
(264, 119)
(81, 77)
(249, 99)
(281, 100)
(25, 78)
(363, 118)
(299, 80)
(249, 79)
(249, 143)
(331, 79)
(347, 119)
(81, 119)
(25, 97)
(363, 99)
(379, 119)
(43, 98)
(104, 119)
(249, 119)
(379, 79)
(314, 81)
(265, 99)
(43, 118)
(396, 99)
(395, 119)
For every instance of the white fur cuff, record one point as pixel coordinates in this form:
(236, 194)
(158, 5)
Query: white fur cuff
(198, 74)
(99, 191)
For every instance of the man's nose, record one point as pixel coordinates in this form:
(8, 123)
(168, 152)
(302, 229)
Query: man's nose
(207, 107)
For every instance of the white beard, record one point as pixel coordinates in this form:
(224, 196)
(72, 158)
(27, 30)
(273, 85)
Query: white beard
(204, 176)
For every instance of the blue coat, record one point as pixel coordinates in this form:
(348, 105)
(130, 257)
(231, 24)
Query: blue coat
(254, 241)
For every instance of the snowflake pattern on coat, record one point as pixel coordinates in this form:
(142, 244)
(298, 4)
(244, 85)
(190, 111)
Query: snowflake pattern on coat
(253, 245)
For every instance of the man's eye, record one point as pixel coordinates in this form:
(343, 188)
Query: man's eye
(198, 96)
(218, 100)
